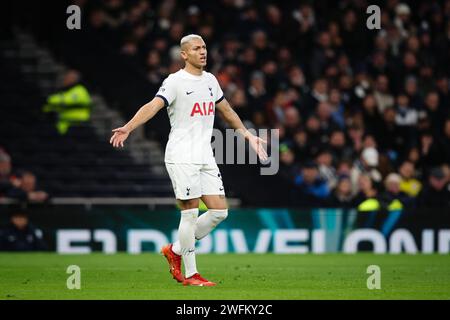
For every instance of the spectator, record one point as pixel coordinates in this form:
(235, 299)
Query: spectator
(318, 94)
(323, 54)
(436, 193)
(315, 135)
(9, 185)
(409, 184)
(301, 144)
(378, 64)
(434, 112)
(382, 94)
(366, 164)
(412, 90)
(430, 153)
(443, 89)
(337, 108)
(292, 121)
(114, 14)
(371, 115)
(367, 197)
(288, 167)
(344, 168)
(274, 17)
(20, 186)
(353, 35)
(390, 136)
(402, 19)
(239, 101)
(297, 79)
(72, 103)
(20, 234)
(405, 116)
(327, 171)
(25, 190)
(393, 198)
(311, 189)
(413, 155)
(356, 134)
(257, 95)
(338, 146)
(303, 23)
(342, 196)
(324, 114)
(261, 45)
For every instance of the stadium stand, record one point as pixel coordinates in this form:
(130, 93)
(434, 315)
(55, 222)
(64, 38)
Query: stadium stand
(349, 102)
(80, 163)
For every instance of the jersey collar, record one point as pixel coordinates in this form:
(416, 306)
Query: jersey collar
(188, 75)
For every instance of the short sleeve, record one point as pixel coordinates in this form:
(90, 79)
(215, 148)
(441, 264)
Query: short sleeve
(167, 91)
(219, 92)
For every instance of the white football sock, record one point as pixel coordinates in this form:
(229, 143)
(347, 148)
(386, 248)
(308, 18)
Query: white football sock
(186, 236)
(176, 248)
(208, 221)
(205, 224)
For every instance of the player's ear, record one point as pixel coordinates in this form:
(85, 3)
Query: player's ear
(183, 54)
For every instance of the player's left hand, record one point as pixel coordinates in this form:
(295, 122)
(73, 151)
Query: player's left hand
(120, 135)
(258, 145)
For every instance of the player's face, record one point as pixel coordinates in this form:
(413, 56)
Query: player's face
(195, 53)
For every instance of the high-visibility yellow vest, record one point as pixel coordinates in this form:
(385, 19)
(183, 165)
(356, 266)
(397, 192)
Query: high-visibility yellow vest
(370, 204)
(411, 187)
(395, 205)
(72, 105)
(76, 97)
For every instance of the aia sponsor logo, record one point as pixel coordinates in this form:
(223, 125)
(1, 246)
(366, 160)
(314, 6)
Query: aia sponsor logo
(203, 109)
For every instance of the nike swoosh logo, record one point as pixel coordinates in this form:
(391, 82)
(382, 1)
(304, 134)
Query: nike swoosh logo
(220, 189)
(188, 93)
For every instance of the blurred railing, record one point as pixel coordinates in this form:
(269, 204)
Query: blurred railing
(88, 202)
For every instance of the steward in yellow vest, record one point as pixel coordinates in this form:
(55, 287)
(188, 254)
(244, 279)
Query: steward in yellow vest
(72, 104)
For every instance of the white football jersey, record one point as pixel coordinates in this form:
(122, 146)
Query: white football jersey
(191, 103)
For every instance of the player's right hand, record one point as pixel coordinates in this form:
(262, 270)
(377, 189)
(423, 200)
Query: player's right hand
(120, 135)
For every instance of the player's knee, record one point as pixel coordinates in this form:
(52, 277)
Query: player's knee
(219, 214)
(188, 204)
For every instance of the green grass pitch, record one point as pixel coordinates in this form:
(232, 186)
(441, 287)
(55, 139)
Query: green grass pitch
(250, 276)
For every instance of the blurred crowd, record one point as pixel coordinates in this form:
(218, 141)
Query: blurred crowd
(362, 114)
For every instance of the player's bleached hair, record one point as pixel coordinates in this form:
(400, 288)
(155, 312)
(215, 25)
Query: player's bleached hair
(188, 38)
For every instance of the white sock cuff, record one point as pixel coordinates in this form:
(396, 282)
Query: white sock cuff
(190, 213)
(219, 213)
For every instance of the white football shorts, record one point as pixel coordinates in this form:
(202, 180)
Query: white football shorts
(191, 181)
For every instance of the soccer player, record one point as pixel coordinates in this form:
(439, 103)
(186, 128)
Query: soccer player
(191, 97)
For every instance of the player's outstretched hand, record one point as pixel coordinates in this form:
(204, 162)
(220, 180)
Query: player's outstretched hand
(120, 135)
(257, 144)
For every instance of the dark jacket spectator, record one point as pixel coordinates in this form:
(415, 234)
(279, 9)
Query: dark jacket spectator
(310, 189)
(342, 196)
(21, 235)
(436, 193)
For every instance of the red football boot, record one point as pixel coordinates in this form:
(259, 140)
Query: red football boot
(198, 280)
(174, 262)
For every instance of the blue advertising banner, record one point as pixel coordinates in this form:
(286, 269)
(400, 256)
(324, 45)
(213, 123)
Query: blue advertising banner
(136, 229)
